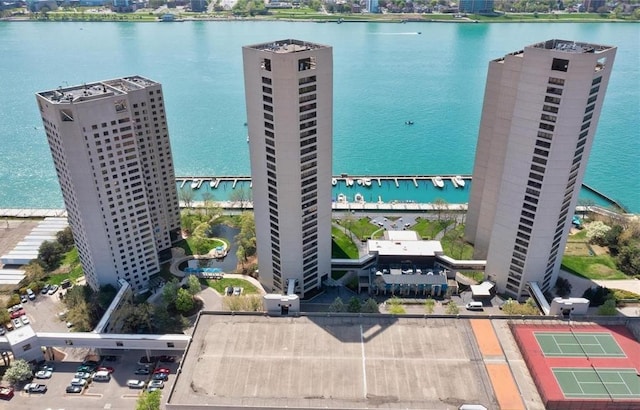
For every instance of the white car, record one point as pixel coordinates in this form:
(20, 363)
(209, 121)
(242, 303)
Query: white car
(135, 384)
(17, 323)
(76, 381)
(43, 374)
(25, 320)
(155, 385)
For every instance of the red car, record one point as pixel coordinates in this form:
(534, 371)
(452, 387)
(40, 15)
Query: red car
(162, 370)
(17, 313)
(105, 369)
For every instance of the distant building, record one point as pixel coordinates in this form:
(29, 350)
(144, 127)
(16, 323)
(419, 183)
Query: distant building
(372, 6)
(476, 6)
(198, 6)
(110, 146)
(592, 5)
(289, 98)
(540, 114)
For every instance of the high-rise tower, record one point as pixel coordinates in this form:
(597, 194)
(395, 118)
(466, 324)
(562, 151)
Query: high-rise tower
(540, 113)
(111, 150)
(289, 98)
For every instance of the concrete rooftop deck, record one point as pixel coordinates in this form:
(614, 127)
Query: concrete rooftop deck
(344, 362)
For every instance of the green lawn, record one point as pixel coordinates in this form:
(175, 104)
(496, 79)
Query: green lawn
(75, 269)
(592, 267)
(220, 284)
(342, 247)
(429, 229)
(454, 245)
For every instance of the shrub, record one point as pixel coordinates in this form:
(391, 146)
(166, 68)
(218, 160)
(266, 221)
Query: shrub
(354, 305)
(429, 306)
(563, 287)
(608, 308)
(597, 296)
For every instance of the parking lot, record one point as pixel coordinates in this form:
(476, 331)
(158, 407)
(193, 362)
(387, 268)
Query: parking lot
(113, 394)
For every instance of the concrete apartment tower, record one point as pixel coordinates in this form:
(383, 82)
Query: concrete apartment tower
(289, 98)
(111, 150)
(540, 113)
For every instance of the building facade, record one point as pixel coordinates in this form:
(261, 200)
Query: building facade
(539, 118)
(476, 6)
(289, 99)
(110, 146)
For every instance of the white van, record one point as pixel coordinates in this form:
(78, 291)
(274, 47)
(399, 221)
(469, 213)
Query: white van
(102, 376)
(474, 306)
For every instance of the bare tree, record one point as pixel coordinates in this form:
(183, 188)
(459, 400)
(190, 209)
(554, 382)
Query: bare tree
(186, 196)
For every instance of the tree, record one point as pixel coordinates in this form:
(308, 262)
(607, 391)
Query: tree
(608, 308)
(170, 291)
(240, 195)
(596, 230)
(354, 305)
(629, 260)
(394, 306)
(136, 318)
(246, 238)
(597, 296)
(337, 305)
(165, 322)
(440, 205)
(18, 371)
(193, 285)
(429, 306)
(50, 254)
(184, 301)
(210, 208)
(148, 400)
(65, 238)
(34, 271)
(563, 287)
(186, 196)
(4, 316)
(370, 306)
(452, 308)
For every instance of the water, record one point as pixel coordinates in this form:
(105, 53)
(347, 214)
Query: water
(384, 75)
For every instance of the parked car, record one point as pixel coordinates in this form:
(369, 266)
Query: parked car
(65, 284)
(237, 291)
(82, 375)
(69, 325)
(25, 320)
(77, 381)
(47, 366)
(85, 368)
(31, 295)
(155, 385)
(53, 289)
(73, 389)
(141, 371)
(160, 376)
(9, 326)
(6, 393)
(2, 330)
(162, 370)
(35, 388)
(43, 374)
(17, 323)
(147, 360)
(107, 369)
(45, 289)
(17, 313)
(23, 299)
(167, 359)
(135, 384)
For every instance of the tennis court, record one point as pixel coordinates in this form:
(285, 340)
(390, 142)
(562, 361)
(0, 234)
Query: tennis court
(592, 383)
(563, 344)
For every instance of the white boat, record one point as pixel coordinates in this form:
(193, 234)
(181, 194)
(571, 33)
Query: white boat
(366, 182)
(213, 183)
(460, 181)
(349, 181)
(334, 181)
(342, 198)
(438, 182)
(359, 182)
(195, 184)
(358, 197)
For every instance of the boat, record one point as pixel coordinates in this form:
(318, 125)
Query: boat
(408, 123)
(349, 181)
(438, 182)
(334, 181)
(342, 198)
(358, 197)
(359, 182)
(213, 183)
(194, 184)
(459, 181)
(366, 182)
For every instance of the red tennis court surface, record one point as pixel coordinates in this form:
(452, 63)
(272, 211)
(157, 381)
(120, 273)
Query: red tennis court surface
(542, 347)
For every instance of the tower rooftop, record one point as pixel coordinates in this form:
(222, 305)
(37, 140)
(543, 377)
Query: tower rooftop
(287, 46)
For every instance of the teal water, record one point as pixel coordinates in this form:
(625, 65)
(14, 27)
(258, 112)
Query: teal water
(384, 74)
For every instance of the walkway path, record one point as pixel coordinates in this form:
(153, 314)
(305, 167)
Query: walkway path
(579, 284)
(504, 385)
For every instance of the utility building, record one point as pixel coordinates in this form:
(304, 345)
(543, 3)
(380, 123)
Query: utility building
(289, 98)
(111, 150)
(540, 113)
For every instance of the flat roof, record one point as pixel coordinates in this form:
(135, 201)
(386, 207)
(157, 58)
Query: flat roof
(570, 46)
(100, 89)
(287, 46)
(404, 247)
(339, 361)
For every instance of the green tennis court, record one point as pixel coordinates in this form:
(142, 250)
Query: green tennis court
(564, 344)
(590, 383)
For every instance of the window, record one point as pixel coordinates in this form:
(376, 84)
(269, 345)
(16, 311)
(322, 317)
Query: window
(265, 64)
(560, 64)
